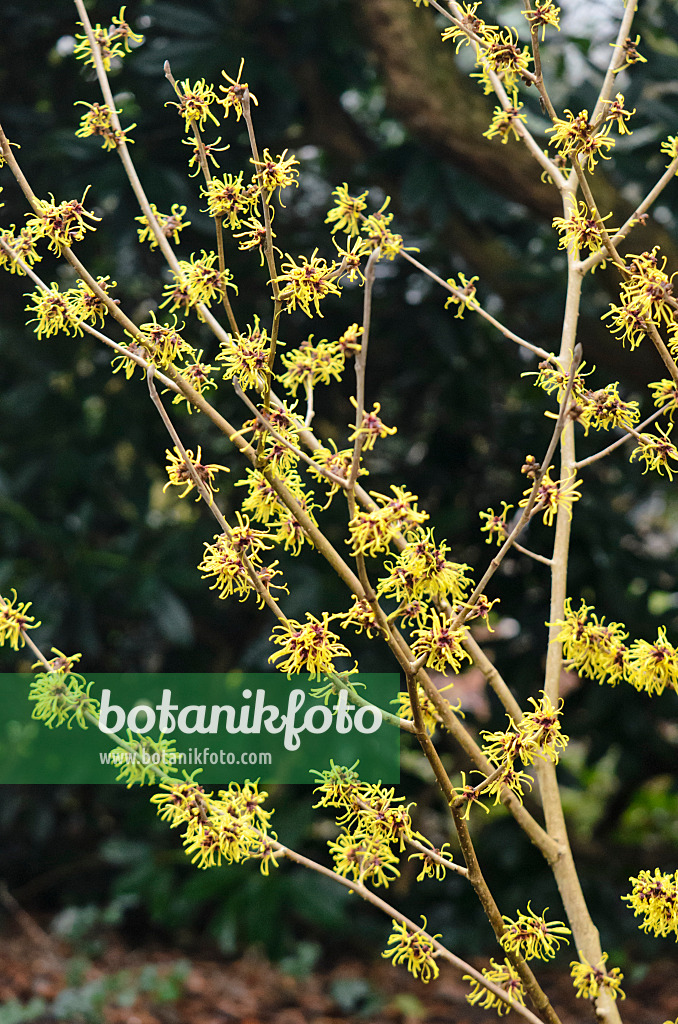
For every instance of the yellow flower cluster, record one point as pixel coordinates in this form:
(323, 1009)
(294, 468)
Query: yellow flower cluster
(576, 138)
(533, 936)
(226, 560)
(61, 697)
(655, 896)
(415, 949)
(581, 229)
(439, 643)
(195, 102)
(503, 974)
(312, 364)
(14, 621)
(554, 494)
(657, 451)
(598, 651)
(646, 298)
(307, 647)
(602, 409)
(246, 357)
(23, 244)
(422, 571)
(112, 43)
(180, 475)
(372, 530)
(57, 311)
(169, 223)
(97, 120)
(589, 981)
(538, 734)
(198, 281)
(231, 826)
(62, 223)
(306, 283)
(371, 231)
(230, 201)
(142, 769)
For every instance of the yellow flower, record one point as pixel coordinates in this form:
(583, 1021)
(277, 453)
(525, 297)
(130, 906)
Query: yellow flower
(431, 867)
(197, 281)
(150, 755)
(533, 936)
(361, 616)
(254, 237)
(364, 858)
(504, 975)
(179, 474)
(581, 229)
(415, 949)
(108, 42)
(23, 244)
(345, 214)
(466, 297)
(441, 644)
(469, 25)
(630, 52)
(618, 114)
(195, 102)
(97, 120)
(224, 560)
(63, 223)
(85, 305)
(656, 898)
(544, 14)
(61, 697)
(495, 527)
(575, 136)
(52, 312)
(169, 223)
(234, 93)
(655, 450)
(246, 357)
(276, 174)
(670, 148)
(593, 648)
(664, 392)
(162, 342)
(228, 199)
(377, 234)
(371, 428)
(306, 283)
(209, 150)
(307, 647)
(504, 56)
(311, 364)
(504, 122)
(589, 980)
(197, 374)
(422, 570)
(540, 732)
(372, 531)
(653, 667)
(554, 494)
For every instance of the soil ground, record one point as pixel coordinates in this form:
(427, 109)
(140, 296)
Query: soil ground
(250, 990)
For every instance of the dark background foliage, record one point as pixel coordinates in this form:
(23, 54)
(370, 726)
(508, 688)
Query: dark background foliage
(363, 93)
